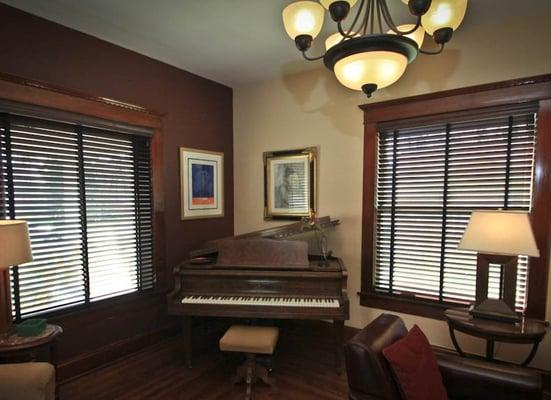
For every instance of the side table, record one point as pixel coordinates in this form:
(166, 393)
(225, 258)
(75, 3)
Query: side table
(14, 347)
(527, 331)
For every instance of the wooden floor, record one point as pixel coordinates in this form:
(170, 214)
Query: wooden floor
(303, 371)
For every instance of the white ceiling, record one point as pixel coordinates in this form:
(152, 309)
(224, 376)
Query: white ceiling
(234, 42)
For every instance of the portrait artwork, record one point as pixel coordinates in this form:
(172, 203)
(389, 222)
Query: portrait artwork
(289, 183)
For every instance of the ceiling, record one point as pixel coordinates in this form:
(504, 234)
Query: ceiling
(234, 42)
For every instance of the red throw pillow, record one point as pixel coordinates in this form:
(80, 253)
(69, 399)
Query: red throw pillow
(415, 367)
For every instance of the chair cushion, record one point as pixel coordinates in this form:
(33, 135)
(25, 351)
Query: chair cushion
(29, 381)
(414, 364)
(250, 339)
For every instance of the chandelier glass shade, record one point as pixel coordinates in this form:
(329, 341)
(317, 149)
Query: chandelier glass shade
(443, 13)
(373, 51)
(303, 18)
(383, 67)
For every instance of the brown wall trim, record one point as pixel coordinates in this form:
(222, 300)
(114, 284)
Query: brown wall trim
(86, 362)
(487, 95)
(535, 89)
(38, 93)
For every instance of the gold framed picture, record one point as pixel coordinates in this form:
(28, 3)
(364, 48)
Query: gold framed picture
(201, 183)
(290, 183)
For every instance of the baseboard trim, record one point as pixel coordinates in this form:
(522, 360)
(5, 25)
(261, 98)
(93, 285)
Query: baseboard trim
(78, 366)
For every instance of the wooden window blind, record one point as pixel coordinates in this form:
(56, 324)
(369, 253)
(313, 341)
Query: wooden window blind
(429, 179)
(86, 194)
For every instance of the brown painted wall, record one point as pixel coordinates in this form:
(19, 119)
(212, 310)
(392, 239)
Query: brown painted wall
(198, 113)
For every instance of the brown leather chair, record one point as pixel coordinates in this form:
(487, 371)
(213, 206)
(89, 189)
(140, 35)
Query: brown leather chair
(370, 376)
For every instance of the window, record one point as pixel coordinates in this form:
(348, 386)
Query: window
(520, 99)
(86, 193)
(429, 179)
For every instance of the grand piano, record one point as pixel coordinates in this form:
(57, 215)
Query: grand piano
(262, 275)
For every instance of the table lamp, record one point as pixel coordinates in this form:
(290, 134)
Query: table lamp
(499, 237)
(15, 249)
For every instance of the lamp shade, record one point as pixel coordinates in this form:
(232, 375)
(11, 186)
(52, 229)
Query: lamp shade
(15, 245)
(444, 14)
(381, 68)
(500, 232)
(303, 18)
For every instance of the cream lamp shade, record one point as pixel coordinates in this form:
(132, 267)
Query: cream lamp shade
(303, 18)
(444, 14)
(500, 232)
(382, 68)
(15, 245)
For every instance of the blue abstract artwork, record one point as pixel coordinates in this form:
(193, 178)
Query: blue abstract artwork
(202, 184)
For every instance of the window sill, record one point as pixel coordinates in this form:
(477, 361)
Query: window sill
(406, 305)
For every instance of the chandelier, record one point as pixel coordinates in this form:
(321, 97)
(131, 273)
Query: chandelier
(372, 52)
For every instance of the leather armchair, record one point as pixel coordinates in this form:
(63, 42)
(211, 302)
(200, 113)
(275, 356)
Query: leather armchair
(370, 376)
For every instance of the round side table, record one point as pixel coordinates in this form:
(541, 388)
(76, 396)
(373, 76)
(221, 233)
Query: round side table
(13, 347)
(527, 331)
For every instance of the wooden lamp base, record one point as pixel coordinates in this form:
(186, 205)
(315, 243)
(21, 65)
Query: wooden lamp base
(502, 309)
(5, 302)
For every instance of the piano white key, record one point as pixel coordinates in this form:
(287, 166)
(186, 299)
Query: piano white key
(263, 301)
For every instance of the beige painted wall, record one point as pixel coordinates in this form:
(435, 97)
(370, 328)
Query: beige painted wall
(312, 109)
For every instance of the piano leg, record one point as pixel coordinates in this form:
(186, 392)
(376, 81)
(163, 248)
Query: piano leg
(338, 328)
(187, 339)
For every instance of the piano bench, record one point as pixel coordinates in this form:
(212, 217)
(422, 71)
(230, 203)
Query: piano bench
(251, 340)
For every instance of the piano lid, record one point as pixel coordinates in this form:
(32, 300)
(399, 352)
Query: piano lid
(279, 232)
(296, 228)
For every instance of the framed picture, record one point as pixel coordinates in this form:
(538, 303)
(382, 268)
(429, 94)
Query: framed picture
(201, 183)
(290, 183)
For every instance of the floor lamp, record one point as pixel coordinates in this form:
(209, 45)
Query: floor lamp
(15, 249)
(499, 237)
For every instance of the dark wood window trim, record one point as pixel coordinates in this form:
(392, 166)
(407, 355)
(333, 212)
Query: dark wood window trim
(27, 93)
(426, 108)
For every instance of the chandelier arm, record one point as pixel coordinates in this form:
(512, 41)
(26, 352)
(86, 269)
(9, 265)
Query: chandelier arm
(365, 21)
(344, 34)
(356, 18)
(415, 27)
(379, 18)
(392, 25)
(432, 53)
(312, 58)
(387, 16)
(347, 34)
(371, 30)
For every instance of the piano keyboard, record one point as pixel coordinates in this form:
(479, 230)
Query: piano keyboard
(263, 301)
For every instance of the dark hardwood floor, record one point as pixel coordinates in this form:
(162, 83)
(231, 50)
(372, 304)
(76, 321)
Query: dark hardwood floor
(303, 371)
